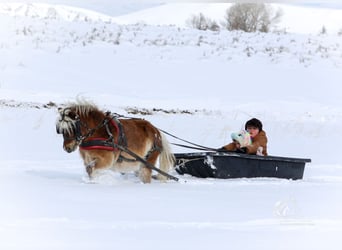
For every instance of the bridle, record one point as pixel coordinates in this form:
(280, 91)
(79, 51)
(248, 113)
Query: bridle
(76, 131)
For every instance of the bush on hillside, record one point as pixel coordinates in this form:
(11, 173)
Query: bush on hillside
(201, 22)
(339, 32)
(251, 17)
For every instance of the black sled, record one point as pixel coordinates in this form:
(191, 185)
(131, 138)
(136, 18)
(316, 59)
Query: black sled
(225, 165)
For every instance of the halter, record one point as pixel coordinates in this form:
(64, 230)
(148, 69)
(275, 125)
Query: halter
(77, 131)
(76, 128)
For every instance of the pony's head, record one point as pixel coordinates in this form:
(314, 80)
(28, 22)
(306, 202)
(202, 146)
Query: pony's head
(242, 137)
(68, 124)
(73, 122)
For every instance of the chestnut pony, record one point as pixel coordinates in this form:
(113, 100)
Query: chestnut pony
(97, 133)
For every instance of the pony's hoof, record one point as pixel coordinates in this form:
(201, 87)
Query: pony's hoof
(159, 177)
(90, 170)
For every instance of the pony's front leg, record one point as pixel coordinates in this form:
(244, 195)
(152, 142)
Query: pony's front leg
(97, 159)
(90, 167)
(89, 162)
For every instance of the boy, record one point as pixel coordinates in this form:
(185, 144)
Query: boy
(258, 136)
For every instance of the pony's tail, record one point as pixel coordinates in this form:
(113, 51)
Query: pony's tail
(166, 158)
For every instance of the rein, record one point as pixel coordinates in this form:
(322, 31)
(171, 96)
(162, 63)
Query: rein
(119, 143)
(194, 145)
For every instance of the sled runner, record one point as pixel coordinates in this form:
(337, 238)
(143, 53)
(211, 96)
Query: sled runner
(226, 165)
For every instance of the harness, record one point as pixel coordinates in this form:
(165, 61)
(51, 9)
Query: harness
(119, 143)
(106, 143)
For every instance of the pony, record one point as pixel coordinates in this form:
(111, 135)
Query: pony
(104, 141)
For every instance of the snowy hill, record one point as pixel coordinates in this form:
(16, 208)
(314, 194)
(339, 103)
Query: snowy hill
(200, 86)
(48, 11)
(312, 19)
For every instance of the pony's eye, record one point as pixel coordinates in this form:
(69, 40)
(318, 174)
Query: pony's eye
(70, 114)
(239, 134)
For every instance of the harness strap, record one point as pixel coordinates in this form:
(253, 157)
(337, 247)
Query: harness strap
(123, 158)
(106, 143)
(97, 143)
(192, 147)
(198, 146)
(146, 163)
(121, 138)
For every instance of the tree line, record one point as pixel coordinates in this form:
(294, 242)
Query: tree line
(248, 17)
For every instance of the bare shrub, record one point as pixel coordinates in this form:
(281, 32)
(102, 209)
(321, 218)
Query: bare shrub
(251, 17)
(201, 22)
(323, 30)
(339, 32)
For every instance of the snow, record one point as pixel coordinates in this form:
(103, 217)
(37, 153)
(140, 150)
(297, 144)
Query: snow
(205, 86)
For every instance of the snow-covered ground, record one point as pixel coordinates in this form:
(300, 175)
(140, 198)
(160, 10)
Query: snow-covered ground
(292, 82)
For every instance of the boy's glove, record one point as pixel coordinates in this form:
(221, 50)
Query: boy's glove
(241, 150)
(221, 150)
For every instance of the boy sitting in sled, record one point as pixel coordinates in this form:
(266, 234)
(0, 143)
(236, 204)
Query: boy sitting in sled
(252, 140)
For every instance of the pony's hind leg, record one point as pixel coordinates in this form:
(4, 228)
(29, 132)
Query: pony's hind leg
(145, 172)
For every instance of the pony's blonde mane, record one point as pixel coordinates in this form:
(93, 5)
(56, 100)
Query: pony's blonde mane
(82, 107)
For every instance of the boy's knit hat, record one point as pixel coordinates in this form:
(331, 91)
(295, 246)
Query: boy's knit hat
(254, 123)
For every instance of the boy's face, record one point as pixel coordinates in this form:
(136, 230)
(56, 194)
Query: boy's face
(253, 131)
